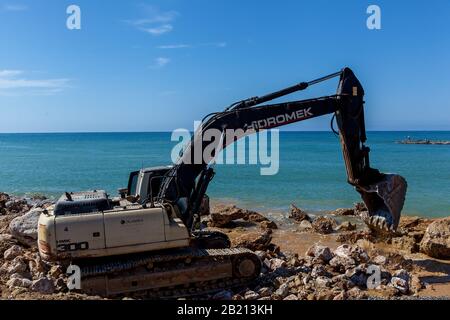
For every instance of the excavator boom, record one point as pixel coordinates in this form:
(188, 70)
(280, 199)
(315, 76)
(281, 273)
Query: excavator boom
(383, 194)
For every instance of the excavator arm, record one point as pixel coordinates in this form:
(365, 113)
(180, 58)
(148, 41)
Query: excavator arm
(383, 194)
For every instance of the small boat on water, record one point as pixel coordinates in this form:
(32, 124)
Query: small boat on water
(408, 140)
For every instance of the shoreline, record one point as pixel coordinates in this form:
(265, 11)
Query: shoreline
(275, 212)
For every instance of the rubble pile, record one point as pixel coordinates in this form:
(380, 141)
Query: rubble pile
(322, 273)
(23, 274)
(342, 272)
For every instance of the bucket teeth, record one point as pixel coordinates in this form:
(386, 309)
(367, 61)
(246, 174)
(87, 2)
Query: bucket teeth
(384, 201)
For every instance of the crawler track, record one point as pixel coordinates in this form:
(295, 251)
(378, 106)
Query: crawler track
(178, 273)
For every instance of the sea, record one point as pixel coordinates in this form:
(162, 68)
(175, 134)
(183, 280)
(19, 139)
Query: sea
(311, 171)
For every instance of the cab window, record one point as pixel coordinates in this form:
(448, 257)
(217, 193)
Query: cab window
(132, 183)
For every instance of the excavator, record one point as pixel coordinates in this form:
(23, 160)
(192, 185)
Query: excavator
(155, 243)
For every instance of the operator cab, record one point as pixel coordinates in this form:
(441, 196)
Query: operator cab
(145, 183)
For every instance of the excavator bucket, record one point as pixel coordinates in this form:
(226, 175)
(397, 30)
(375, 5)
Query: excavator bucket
(384, 201)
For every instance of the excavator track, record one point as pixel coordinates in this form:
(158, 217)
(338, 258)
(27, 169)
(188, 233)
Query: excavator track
(184, 272)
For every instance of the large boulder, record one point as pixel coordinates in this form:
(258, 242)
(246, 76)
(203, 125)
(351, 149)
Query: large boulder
(224, 215)
(25, 228)
(436, 241)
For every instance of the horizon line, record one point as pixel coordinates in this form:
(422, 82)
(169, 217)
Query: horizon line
(296, 131)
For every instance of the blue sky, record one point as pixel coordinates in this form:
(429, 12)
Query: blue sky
(160, 65)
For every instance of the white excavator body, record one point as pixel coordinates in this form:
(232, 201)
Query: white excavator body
(123, 229)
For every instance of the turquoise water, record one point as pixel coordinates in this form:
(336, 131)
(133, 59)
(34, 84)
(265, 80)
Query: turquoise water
(311, 173)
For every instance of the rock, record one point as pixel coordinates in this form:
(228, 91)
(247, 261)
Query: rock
(20, 276)
(254, 240)
(405, 243)
(354, 252)
(251, 295)
(436, 241)
(305, 225)
(344, 212)
(380, 260)
(43, 285)
(268, 225)
(291, 297)
(37, 267)
(397, 261)
(24, 228)
(61, 284)
(4, 237)
(342, 263)
(342, 282)
(277, 263)
(3, 199)
(227, 214)
(325, 294)
(294, 261)
(19, 282)
(254, 217)
(261, 254)
(298, 214)
(400, 284)
(346, 226)
(282, 291)
(402, 274)
(358, 277)
(323, 282)
(311, 296)
(298, 281)
(55, 271)
(344, 250)
(319, 270)
(17, 206)
(265, 292)
(17, 266)
(341, 296)
(12, 252)
(320, 252)
(323, 225)
(359, 254)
